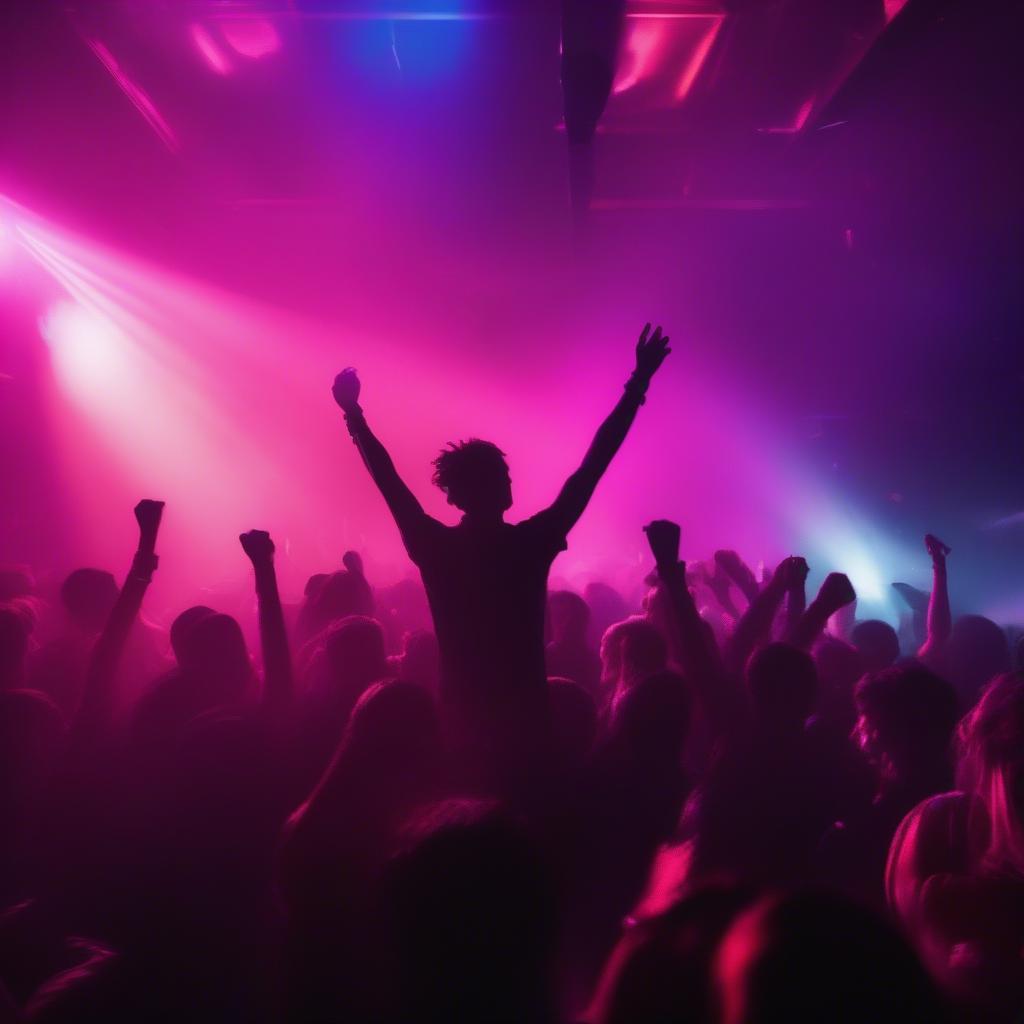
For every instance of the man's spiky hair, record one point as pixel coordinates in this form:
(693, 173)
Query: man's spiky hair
(461, 458)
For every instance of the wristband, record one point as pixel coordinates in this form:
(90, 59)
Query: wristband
(636, 387)
(143, 566)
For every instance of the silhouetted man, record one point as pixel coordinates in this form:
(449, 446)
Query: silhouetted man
(486, 579)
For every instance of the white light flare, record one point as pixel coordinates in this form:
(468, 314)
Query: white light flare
(699, 58)
(87, 349)
(253, 38)
(209, 50)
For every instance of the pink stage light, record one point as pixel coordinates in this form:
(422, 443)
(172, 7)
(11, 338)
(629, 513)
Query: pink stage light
(220, 405)
(251, 38)
(641, 53)
(803, 114)
(893, 7)
(208, 49)
(7, 245)
(85, 347)
(697, 61)
(800, 119)
(663, 56)
(138, 96)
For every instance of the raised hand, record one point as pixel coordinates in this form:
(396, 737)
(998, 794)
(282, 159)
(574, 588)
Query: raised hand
(940, 616)
(258, 546)
(936, 548)
(277, 664)
(837, 591)
(663, 537)
(148, 514)
(738, 571)
(793, 571)
(346, 389)
(651, 351)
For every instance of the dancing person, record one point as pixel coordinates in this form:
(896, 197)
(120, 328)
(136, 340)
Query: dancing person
(486, 579)
(905, 720)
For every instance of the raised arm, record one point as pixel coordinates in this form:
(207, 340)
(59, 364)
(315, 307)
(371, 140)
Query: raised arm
(698, 653)
(277, 661)
(796, 598)
(651, 351)
(718, 583)
(756, 623)
(940, 619)
(400, 500)
(696, 649)
(735, 569)
(836, 592)
(99, 698)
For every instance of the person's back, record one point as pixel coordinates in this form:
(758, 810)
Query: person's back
(486, 579)
(335, 845)
(487, 585)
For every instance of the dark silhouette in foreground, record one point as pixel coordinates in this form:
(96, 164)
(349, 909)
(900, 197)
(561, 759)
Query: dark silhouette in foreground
(486, 579)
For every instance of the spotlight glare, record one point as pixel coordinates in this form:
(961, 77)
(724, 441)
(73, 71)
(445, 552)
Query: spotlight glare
(86, 348)
(252, 38)
(7, 244)
(209, 50)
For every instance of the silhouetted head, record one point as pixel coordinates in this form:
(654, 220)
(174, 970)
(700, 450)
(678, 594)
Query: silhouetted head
(472, 918)
(474, 475)
(331, 598)
(990, 764)
(570, 617)
(343, 593)
(905, 720)
(607, 606)
(217, 651)
(354, 648)
(181, 634)
(393, 722)
(660, 969)
(14, 634)
(652, 718)
(977, 650)
(88, 595)
(992, 732)
(632, 650)
(388, 763)
(877, 642)
(816, 957)
(15, 581)
(783, 685)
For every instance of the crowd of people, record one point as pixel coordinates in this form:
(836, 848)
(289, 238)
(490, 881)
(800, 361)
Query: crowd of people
(473, 799)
